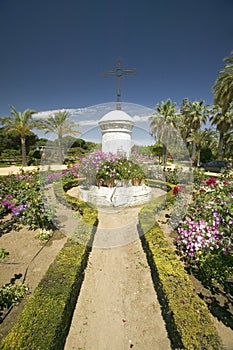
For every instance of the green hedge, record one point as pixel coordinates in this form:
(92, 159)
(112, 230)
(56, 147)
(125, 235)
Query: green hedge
(146, 214)
(45, 320)
(188, 320)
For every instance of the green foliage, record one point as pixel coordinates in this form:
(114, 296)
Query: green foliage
(137, 172)
(120, 169)
(171, 176)
(44, 235)
(22, 195)
(3, 253)
(68, 183)
(223, 86)
(9, 156)
(206, 155)
(9, 140)
(156, 149)
(88, 213)
(215, 267)
(79, 148)
(177, 175)
(147, 213)
(10, 153)
(108, 170)
(34, 157)
(11, 294)
(198, 177)
(21, 123)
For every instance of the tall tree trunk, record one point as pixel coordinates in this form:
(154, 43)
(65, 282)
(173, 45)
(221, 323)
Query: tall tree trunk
(220, 146)
(198, 151)
(60, 150)
(193, 150)
(164, 155)
(23, 149)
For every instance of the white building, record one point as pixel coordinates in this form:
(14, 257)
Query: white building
(116, 129)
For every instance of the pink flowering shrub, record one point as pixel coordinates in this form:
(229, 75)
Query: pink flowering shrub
(91, 164)
(207, 230)
(21, 196)
(86, 167)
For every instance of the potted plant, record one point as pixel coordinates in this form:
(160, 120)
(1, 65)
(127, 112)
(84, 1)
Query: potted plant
(137, 175)
(107, 173)
(123, 171)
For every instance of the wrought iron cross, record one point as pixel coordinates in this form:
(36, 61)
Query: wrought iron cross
(119, 72)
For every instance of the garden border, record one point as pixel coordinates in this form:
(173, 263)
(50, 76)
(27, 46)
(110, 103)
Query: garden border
(188, 321)
(45, 320)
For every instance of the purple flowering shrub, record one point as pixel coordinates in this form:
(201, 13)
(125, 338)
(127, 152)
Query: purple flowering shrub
(204, 238)
(21, 196)
(91, 164)
(86, 167)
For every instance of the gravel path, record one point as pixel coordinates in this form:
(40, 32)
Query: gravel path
(117, 307)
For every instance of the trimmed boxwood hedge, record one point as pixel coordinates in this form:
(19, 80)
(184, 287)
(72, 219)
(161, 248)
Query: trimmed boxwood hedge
(188, 320)
(146, 214)
(45, 320)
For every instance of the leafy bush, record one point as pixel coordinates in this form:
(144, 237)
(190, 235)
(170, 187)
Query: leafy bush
(44, 234)
(3, 253)
(120, 169)
(22, 196)
(205, 236)
(11, 294)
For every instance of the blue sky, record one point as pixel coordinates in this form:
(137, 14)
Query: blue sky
(54, 51)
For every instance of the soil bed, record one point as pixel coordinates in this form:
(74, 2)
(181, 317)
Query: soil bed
(24, 263)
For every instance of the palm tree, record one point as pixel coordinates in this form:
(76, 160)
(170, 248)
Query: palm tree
(60, 124)
(194, 115)
(223, 122)
(163, 124)
(223, 86)
(228, 142)
(201, 138)
(22, 123)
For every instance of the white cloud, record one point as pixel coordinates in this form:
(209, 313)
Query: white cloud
(138, 118)
(88, 122)
(72, 112)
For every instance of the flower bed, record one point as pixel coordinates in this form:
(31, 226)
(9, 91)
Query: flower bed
(21, 195)
(205, 236)
(45, 320)
(188, 320)
(99, 168)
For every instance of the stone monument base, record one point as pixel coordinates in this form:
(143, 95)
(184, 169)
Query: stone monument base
(115, 196)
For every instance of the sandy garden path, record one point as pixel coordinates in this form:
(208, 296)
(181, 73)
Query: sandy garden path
(117, 307)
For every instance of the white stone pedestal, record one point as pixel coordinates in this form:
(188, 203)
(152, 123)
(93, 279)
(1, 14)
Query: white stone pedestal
(116, 129)
(116, 196)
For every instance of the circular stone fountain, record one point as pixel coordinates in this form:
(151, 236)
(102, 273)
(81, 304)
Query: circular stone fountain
(115, 196)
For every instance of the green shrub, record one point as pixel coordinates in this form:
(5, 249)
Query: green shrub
(3, 253)
(147, 213)
(45, 319)
(11, 294)
(21, 195)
